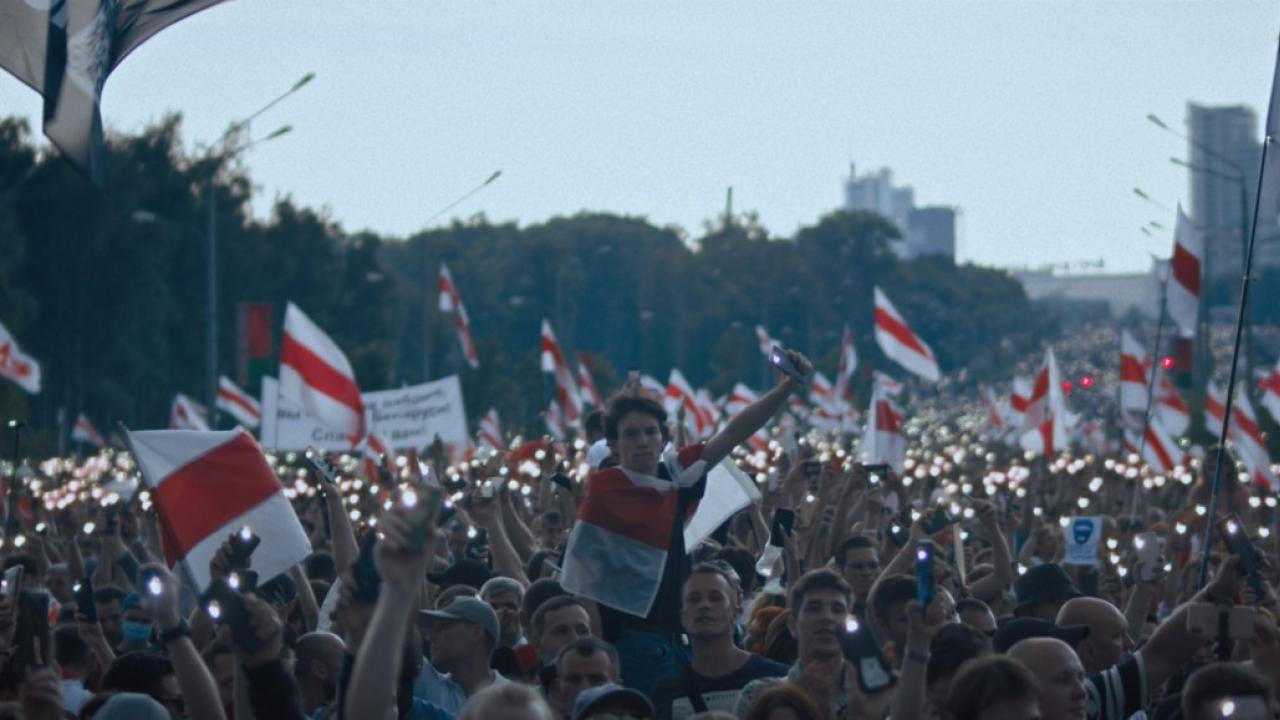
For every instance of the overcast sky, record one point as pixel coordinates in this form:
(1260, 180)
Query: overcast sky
(1028, 116)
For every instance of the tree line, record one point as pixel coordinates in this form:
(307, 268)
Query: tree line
(113, 307)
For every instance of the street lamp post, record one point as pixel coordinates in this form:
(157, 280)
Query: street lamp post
(211, 235)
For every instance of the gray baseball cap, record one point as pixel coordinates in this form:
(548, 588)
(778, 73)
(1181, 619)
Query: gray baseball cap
(466, 609)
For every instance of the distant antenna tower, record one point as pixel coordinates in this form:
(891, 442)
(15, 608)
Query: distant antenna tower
(728, 207)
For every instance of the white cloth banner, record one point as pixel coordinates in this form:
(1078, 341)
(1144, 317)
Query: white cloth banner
(1082, 537)
(728, 491)
(406, 418)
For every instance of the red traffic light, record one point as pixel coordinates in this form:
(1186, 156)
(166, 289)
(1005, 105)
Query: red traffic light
(1086, 381)
(1067, 386)
(1166, 362)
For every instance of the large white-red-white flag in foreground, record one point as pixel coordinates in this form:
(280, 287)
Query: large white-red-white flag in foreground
(208, 485)
(451, 302)
(900, 344)
(84, 431)
(17, 365)
(553, 361)
(1044, 429)
(236, 403)
(187, 414)
(1186, 268)
(315, 374)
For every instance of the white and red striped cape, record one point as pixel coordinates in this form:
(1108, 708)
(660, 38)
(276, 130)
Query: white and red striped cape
(619, 545)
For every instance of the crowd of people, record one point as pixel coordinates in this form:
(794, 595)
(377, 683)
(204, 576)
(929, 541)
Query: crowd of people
(553, 581)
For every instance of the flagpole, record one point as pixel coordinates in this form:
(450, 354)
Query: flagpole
(1231, 378)
(12, 501)
(1151, 386)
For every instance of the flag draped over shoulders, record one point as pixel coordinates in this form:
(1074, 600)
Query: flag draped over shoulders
(619, 546)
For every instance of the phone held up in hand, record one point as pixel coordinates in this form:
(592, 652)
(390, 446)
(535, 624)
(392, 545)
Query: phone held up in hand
(781, 360)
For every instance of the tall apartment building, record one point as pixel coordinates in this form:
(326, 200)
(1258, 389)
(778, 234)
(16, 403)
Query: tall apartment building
(925, 231)
(1225, 152)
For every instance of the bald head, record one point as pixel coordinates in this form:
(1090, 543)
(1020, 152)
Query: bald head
(323, 647)
(1060, 673)
(1108, 641)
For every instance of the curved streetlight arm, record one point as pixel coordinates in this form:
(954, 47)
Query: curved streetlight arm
(1203, 148)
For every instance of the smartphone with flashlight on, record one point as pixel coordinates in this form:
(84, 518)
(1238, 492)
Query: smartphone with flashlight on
(12, 583)
(83, 591)
(227, 607)
(924, 572)
(862, 648)
(243, 543)
(779, 358)
(1233, 534)
(315, 459)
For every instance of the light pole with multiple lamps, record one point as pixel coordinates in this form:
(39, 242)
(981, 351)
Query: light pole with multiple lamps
(221, 149)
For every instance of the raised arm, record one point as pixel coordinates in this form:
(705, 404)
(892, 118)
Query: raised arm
(1172, 645)
(371, 692)
(992, 586)
(194, 680)
(742, 425)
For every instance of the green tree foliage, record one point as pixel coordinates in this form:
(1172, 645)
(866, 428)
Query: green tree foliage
(113, 308)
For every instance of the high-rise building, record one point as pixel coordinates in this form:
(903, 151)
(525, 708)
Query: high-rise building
(925, 231)
(1224, 152)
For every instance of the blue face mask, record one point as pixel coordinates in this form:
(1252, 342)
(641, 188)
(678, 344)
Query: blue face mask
(136, 632)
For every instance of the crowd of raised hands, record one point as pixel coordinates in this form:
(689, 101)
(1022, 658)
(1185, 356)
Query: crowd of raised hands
(954, 587)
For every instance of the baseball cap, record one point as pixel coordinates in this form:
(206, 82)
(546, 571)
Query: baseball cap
(1025, 628)
(591, 698)
(467, 609)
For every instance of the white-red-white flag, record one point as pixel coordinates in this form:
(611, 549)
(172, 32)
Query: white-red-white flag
(187, 414)
(375, 455)
(1186, 270)
(587, 385)
(821, 390)
(316, 374)
(17, 365)
(1244, 431)
(1169, 405)
(236, 403)
(1019, 397)
(653, 386)
(1158, 447)
(883, 441)
(451, 302)
(1044, 429)
(1271, 392)
(991, 407)
(847, 365)
(764, 341)
(679, 395)
(1133, 375)
(208, 485)
(739, 399)
(491, 431)
(553, 361)
(556, 425)
(84, 431)
(900, 344)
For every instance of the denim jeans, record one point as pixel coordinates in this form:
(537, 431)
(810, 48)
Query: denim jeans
(647, 657)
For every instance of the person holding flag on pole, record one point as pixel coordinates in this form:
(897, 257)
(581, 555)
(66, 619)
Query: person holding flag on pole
(627, 551)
